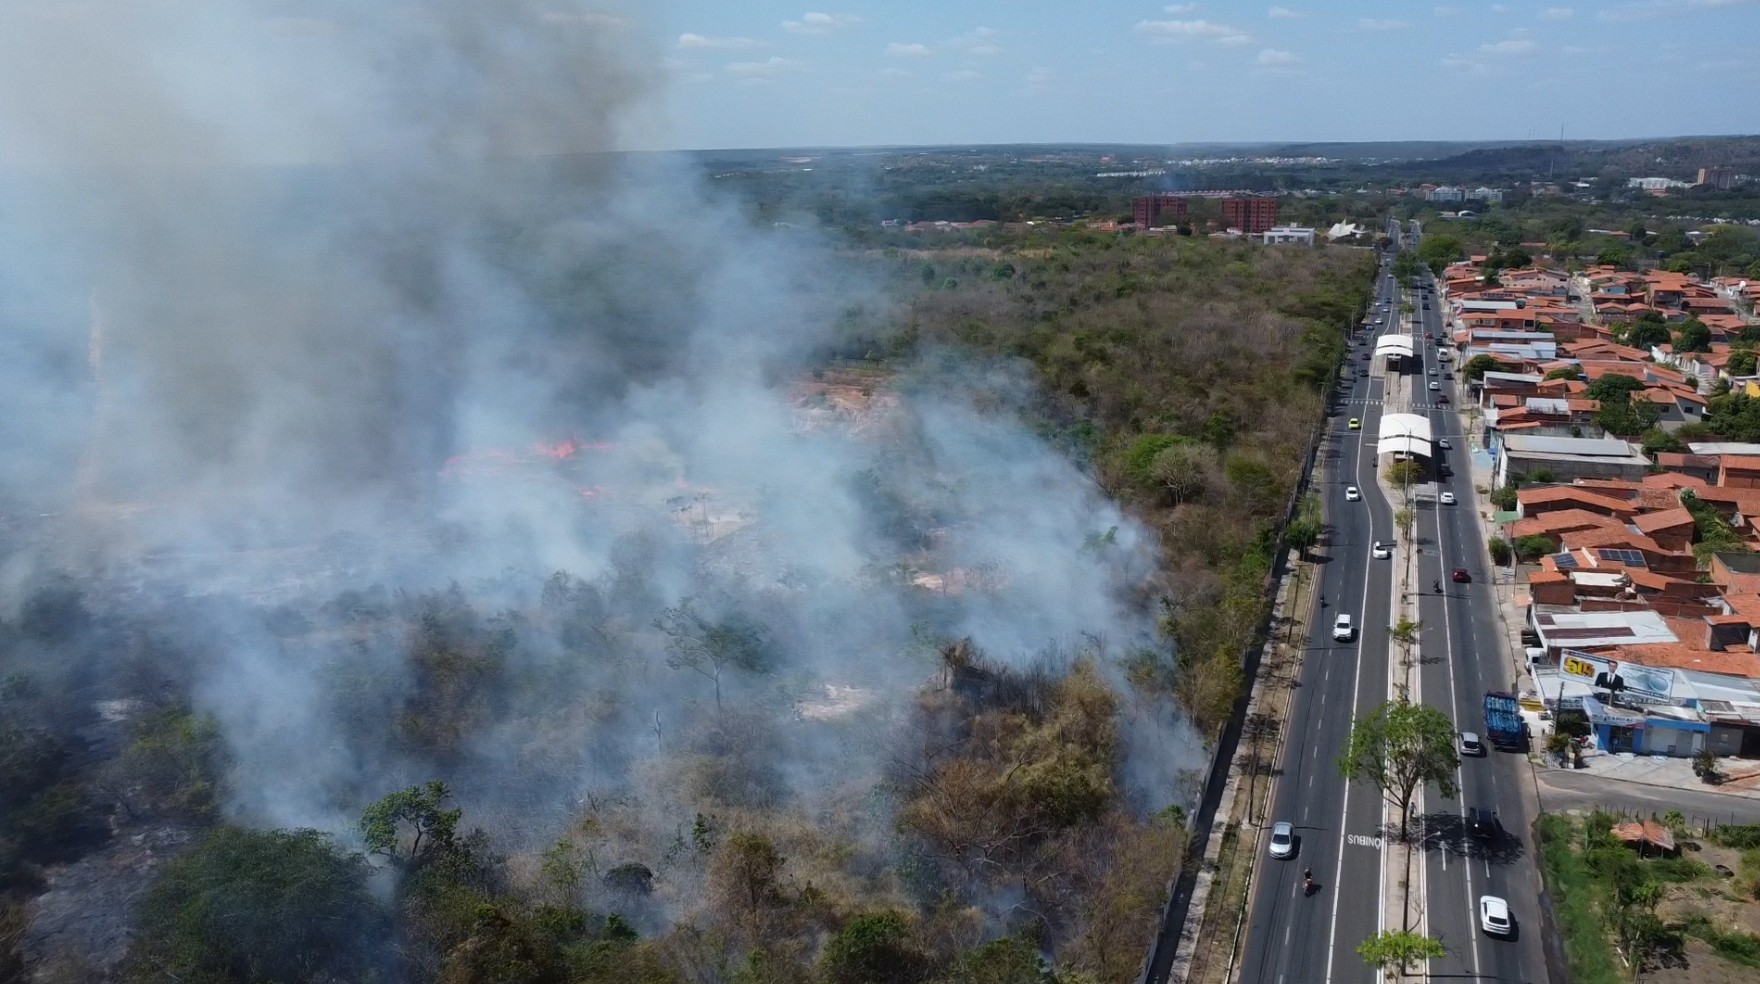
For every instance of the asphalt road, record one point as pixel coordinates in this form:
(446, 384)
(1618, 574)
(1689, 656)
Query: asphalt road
(1463, 654)
(1564, 790)
(1291, 937)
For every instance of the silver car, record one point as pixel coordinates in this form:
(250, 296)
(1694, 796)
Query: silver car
(1283, 839)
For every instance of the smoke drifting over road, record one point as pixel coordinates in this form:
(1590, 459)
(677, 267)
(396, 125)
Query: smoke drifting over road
(316, 313)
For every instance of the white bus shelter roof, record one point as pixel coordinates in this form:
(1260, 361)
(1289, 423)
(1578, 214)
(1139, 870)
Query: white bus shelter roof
(1406, 433)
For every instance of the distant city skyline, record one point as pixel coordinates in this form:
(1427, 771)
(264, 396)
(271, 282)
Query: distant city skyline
(914, 72)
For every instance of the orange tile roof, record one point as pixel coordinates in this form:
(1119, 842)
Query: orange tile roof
(1741, 462)
(1571, 493)
(1547, 577)
(1672, 655)
(1562, 521)
(1666, 519)
(1590, 539)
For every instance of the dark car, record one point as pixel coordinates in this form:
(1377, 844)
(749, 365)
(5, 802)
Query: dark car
(1442, 398)
(1367, 356)
(1483, 824)
(1460, 576)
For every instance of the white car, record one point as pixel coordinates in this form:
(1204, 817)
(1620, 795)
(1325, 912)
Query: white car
(1447, 498)
(1435, 385)
(1283, 839)
(1470, 744)
(1444, 445)
(1351, 494)
(1494, 915)
(1380, 551)
(1341, 629)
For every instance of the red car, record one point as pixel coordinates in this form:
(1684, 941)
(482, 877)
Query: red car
(1442, 398)
(1429, 334)
(1460, 576)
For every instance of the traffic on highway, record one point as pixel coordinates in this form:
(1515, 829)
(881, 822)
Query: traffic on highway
(1324, 889)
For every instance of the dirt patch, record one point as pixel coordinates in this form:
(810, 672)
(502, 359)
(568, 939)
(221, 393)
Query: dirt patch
(1702, 967)
(86, 916)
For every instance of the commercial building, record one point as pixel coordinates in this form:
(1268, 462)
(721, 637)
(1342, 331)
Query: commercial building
(1288, 235)
(1566, 459)
(1251, 214)
(1154, 210)
(1721, 178)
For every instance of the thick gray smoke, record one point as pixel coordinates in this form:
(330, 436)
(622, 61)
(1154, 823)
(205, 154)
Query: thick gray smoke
(313, 311)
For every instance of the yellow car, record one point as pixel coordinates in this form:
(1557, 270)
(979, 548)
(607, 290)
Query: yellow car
(1356, 424)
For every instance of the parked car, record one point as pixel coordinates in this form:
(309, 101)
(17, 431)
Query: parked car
(1494, 915)
(1283, 839)
(1342, 630)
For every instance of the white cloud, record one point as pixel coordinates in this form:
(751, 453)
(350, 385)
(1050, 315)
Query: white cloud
(1379, 24)
(980, 42)
(1512, 48)
(1557, 13)
(1281, 13)
(898, 50)
(814, 22)
(769, 68)
(1190, 30)
(1272, 56)
(698, 42)
(1654, 8)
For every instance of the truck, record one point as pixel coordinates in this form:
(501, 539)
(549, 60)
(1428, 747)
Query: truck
(1503, 721)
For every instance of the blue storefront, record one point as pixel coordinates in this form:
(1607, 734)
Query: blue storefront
(1662, 730)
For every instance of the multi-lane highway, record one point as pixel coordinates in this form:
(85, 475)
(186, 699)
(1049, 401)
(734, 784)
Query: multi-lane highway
(1294, 937)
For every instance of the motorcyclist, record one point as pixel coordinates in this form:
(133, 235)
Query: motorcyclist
(1307, 879)
(1438, 587)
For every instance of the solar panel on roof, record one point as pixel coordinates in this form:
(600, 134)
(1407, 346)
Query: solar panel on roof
(1565, 559)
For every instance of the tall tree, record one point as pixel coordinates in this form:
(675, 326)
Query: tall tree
(710, 648)
(1399, 747)
(1399, 949)
(267, 906)
(411, 826)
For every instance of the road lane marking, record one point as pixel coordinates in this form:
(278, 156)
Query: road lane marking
(1366, 840)
(1356, 689)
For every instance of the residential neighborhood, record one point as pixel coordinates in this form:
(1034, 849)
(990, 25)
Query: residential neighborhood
(1635, 572)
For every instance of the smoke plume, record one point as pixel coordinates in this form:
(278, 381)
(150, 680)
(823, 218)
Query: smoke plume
(321, 311)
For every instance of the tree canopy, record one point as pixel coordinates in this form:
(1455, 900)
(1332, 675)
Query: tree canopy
(1399, 747)
(271, 906)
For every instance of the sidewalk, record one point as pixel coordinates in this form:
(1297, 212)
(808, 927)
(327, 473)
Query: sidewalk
(1658, 770)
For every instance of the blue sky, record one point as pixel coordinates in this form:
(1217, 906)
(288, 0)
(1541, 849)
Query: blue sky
(757, 73)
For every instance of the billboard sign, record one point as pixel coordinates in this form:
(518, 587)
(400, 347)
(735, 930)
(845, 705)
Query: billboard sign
(1582, 666)
(1647, 682)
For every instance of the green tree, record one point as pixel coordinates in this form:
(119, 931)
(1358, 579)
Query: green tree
(1399, 747)
(1564, 372)
(411, 826)
(1741, 362)
(1404, 474)
(1498, 547)
(1438, 251)
(1648, 330)
(1399, 949)
(1693, 336)
(1478, 366)
(1613, 386)
(1533, 547)
(873, 948)
(711, 648)
(259, 906)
